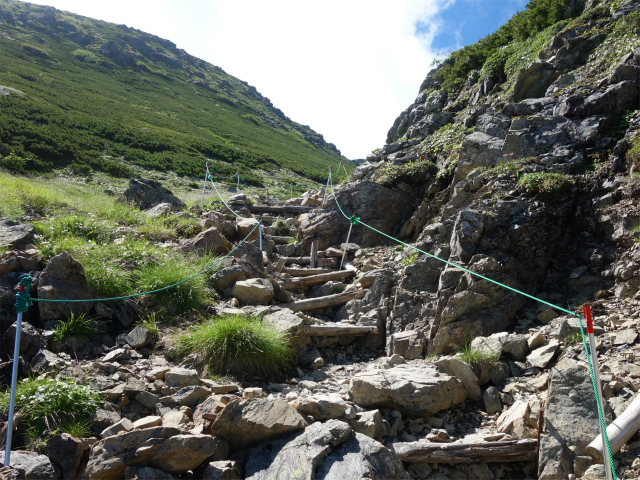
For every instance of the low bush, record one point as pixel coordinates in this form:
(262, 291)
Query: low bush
(49, 407)
(478, 358)
(282, 228)
(235, 344)
(76, 330)
(546, 183)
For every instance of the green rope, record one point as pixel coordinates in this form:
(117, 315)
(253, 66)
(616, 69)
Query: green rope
(23, 299)
(290, 187)
(356, 220)
(222, 199)
(158, 289)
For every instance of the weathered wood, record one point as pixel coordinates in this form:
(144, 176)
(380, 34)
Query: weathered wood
(297, 260)
(338, 330)
(304, 282)
(276, 209)
(280, 240)
(314, 254)
(280, 265)
(510, 451)
(304, 272)
(619, 431)
(323, 302)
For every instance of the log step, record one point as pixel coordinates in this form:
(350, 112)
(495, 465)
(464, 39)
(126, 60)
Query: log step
(510, 451)
(281, 240)
(323, 302)
(297, 260)
(305, 272)
(275, 209)
(316, 279)
(338, 330)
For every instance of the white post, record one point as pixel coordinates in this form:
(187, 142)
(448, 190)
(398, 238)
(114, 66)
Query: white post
(327, 187)
(260, 228)
(14, 378)
(596, 378)
(344, 252)
(238, 185)
(206, 175)
(291, 193)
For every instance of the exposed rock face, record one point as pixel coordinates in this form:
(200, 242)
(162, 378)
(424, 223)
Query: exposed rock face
(570, 420)
(411, 389)
(14, 234)
(63, 279)
(33, 466)
(248, 422)
(147, 193)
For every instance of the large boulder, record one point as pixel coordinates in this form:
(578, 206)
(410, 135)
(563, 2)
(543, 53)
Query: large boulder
(157, 447)
(255, 291)
(33, 466)
(288, 322)
(210, 241)
(570, 419)
(67, 452)
(147, 193)
(414, 390)
(327, 450)
(376, 205)
(14, 234)
(246, 423)
(63, 279)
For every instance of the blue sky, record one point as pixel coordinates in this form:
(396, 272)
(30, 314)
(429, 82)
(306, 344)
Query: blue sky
(346, 68)
(464, 22)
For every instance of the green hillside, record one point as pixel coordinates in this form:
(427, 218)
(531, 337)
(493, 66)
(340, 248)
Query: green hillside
(88, 94)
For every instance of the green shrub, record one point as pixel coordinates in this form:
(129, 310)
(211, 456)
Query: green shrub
(478, 358)
(546, 183)
(282, 228)
(235, 344)
(76, 330)
(49, 407)
(14, 163)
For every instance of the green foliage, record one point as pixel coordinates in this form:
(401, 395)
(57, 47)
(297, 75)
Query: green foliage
(538, 15)
(76, 330)
(546, 183)
(494, 66)
(411, 259)
(235, 344)
(13, 163)
(168, 111)
(148, 322)
(282, 228)
(49, 407)
(478, 358)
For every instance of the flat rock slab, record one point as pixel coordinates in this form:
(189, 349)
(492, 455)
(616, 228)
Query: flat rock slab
(541, 357)
(32, 465)
(414, 390)
(248, 422)
(14, 234)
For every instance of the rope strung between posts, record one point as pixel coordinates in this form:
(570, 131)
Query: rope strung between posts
(355, 220)
(24, 300)
(222, 199)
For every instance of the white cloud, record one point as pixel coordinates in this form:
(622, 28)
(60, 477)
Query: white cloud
(346, 68)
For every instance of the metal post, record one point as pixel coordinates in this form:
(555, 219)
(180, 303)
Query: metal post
(260, 228)
(327, 187)
(206, 175)
(291, 193)
(596, 378)
(344, 252)
(238, 185)
(14, 378)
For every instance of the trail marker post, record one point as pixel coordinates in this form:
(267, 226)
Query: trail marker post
(260, 233)
(206, 175)
(238, 184)
(327, 187)
(596, 379)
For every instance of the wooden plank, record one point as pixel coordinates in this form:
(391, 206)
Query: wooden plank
(280, 240)
(297, 260)
(304, 272)
(316, 279)
(323, 302)
(338, 330)
(510, 451)
(314, 254)
(619, 431)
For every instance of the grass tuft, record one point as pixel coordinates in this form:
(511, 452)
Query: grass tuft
(77, 330)
(235, 344)
(478, 358)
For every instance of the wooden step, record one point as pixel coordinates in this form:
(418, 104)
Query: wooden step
(297, 260)
(305, 272)
(324, 302)
(430, 452)
(275, 209)
(338, 330)
(316, 279)
(281, 240)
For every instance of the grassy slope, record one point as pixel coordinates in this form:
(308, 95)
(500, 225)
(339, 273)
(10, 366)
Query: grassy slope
(147, 103)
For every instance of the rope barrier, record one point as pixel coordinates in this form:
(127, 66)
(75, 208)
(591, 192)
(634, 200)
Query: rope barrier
(222, 200)
(25, 299)
(355, 220)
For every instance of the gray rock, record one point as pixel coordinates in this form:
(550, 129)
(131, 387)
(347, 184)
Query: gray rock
(370, 423)
(221, 470)
(570, 419)
(103, 419)
(491, 398)
(191, 395)
(123, 425)
(321, 407)
(210, 241)
(160, 210)
(66, 451)
(414, 390)
(291, 324)
(248, 422)
(511, 345)
(541, 357)
(147, 399)
(463, 372)
(15, 235)
(147, 193)
(139, 337)
(63, 279)
(408, 344)
(146, 473)
(534, 79)
(255, 291)
(181, 377)
(229, 275)
(32, 466)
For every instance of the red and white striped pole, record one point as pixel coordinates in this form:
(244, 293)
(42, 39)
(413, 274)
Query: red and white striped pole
(596, 379)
